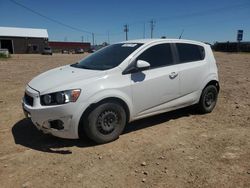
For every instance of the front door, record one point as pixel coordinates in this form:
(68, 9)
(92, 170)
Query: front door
(153, 88)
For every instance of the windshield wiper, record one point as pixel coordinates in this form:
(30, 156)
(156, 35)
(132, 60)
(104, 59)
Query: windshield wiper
(74, 64)
(77, 65)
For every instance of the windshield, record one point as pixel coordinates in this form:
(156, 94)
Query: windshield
(108, 57)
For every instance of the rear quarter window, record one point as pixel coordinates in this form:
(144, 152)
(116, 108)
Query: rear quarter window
(190, 52)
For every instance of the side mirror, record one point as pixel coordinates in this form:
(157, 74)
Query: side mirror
(136, 66)
(142, 65)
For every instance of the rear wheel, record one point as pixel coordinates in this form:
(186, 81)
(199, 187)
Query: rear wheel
(105, 123)
(208, 99)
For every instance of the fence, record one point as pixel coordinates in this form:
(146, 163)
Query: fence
(232, 46)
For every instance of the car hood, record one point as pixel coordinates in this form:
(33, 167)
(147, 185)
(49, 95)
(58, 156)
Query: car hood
(63, 78)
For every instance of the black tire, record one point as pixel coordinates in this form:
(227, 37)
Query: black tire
(208, 99)
(105, 123)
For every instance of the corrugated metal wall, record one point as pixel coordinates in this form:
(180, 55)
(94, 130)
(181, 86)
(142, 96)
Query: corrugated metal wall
(23, 45)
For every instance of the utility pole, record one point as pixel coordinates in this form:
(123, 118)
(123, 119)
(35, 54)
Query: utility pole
(152, 25)
(126, 30)
(108, 38)
(82, 39)
(93, 39)
(144, 30)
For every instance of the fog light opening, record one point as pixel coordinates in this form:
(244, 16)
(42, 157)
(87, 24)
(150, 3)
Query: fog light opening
(56, 124)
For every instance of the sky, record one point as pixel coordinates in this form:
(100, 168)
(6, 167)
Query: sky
(76, 20)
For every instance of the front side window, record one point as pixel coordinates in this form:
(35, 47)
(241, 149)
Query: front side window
(190, 52)
(158, 55)
(108, 57)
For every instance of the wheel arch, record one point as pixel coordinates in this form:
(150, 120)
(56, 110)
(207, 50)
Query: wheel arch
(95, 104)
(201, 107)
(213, 82)
(212, 79)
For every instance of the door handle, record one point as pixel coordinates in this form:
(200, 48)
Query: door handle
(173, 75)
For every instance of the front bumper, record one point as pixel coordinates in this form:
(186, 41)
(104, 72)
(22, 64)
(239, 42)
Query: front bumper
(57, 120)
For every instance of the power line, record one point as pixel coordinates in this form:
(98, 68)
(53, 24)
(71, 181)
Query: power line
(199, 13)
(61, 23)
(228, 20)
(194, 14)
(207, 23)
(152, 22)
(203, 13)
(50, 19)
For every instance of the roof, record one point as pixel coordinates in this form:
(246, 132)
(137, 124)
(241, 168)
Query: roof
(148, 41)
(23, 32)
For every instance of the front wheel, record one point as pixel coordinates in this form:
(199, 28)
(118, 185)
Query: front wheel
(208, 99)
(105, 123)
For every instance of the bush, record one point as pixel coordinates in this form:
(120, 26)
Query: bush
(4, 56)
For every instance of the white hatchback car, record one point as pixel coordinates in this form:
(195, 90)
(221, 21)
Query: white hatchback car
(122, 83)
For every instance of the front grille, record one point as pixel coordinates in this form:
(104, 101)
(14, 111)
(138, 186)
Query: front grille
(28, 99)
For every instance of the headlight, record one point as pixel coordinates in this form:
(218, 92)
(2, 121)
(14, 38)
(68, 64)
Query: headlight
(47, 99)
(61, 97)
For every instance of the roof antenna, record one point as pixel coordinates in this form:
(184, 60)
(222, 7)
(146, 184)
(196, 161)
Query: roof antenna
(181, 33)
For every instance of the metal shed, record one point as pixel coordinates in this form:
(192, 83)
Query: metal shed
(23, 40)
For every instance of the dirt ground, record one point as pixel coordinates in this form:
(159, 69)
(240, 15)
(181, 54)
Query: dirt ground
(176, 149)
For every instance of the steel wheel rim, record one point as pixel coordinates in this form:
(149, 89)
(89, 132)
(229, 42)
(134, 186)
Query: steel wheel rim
(107, 122)
(209, 98)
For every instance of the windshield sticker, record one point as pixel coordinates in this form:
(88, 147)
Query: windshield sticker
(129, 45)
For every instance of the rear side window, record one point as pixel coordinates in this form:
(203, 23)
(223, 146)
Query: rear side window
(190, 52)
(158, 55)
